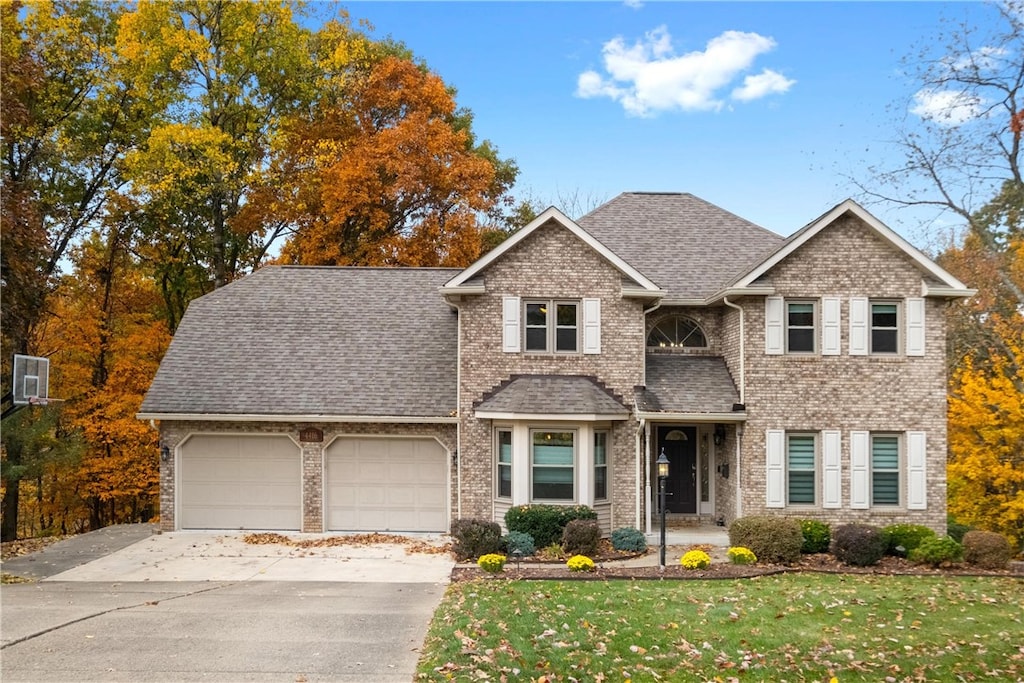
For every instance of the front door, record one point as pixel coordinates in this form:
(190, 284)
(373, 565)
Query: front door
(680, 447)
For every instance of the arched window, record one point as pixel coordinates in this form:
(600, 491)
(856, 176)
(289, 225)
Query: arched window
(677, 331)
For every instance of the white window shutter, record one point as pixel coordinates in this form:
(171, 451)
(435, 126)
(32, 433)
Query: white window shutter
(773, 328)
(832, 472)
(830, 337)
(860, 474)
(775, 461)
(917, 471)
(858, 326)
(915, 327)
(591, 326)
(510, 324)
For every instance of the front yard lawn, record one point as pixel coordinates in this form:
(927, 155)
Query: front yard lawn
(789, 627)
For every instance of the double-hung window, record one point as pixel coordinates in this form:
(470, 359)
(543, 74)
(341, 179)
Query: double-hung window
(801, 469)
(885, 469)
(504, 464)
(885, 326)
(552, 326)
(552, 465)
(600, 465)
(800, 326)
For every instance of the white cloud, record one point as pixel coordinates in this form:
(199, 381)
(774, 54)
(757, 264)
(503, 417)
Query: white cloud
(947, 107)
(635, 4)
(766, 83)
(648, 77)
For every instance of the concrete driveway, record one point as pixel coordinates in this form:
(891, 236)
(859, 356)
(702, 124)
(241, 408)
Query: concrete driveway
(206, 606)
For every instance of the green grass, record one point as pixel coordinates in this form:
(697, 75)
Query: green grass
(790, 627)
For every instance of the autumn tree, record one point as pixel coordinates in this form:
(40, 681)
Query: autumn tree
(71, 112)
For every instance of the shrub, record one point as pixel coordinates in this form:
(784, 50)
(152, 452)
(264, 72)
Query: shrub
(629, 539)
(475, 537)
(491, 563)
(987, 549)
(937, 551)
(517, 540)
(955, 529)
(552, 552)
(545, 523)
(771, 539)
(695, 559)
(859, 545)
(905, 536)
(581, 537)
(741, 555)
(580, 563)
(817, 536)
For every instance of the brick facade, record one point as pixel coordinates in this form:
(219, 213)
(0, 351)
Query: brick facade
(551, 263)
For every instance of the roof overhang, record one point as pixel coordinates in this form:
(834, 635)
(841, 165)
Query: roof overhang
(658, 416)
(548, 417)
(227, 417)
(941, 292)
(456, 284)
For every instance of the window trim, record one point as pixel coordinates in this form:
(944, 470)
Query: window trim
(814, 326)
(575, 463)
(815, 469)
(899, 470)
(895, 328)
(677, 318)
(606, 433)
(551, 326)
(498, 464)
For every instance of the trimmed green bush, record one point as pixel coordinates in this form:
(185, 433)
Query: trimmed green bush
(545, 523)
(772, 539)
(858, 545)
(987, 549)
(475, 537)
(517, 540)
(817, 536)
(628, 539)
(937, 551)
(955, 529)
(905, 536)
(581, 537)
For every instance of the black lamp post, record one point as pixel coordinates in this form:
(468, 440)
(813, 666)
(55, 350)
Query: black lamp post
(662, 463)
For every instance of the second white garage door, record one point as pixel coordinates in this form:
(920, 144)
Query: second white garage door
(386, 484)
(240, 482)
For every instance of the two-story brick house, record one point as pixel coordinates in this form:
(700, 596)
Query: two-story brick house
(801, 376)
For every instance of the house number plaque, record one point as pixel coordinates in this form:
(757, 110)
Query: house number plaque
(311, 434)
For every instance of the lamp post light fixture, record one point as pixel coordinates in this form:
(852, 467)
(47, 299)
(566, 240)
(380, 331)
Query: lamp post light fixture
(662, 463)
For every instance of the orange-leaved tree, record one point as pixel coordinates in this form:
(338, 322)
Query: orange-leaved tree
(389, 174)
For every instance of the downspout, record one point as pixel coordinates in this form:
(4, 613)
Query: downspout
(743, 400)
(743, 352)
(639, 458)
(643, 427)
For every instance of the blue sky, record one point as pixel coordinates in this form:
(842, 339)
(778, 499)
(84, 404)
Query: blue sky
(761, 108)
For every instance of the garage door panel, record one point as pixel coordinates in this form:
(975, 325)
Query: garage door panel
(240, 482)
(386, 484)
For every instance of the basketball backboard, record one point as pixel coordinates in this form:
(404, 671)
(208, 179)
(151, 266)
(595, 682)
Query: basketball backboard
(31, 380)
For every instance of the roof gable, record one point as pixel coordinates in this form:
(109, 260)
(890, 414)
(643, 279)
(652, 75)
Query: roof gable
(949, 285)
(553, 214)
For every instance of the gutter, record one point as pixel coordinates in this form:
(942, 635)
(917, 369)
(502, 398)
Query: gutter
(248, 417)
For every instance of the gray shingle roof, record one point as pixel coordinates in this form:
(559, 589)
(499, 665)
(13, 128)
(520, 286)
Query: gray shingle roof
(687, 384)
(552, 394)
(292, 340)
(689, 247)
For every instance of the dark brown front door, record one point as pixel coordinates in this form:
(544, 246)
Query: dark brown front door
(681, 486)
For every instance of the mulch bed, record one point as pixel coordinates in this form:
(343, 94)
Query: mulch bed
(823, 563)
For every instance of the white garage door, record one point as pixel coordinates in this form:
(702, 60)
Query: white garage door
(386, 484)
(240, 482)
